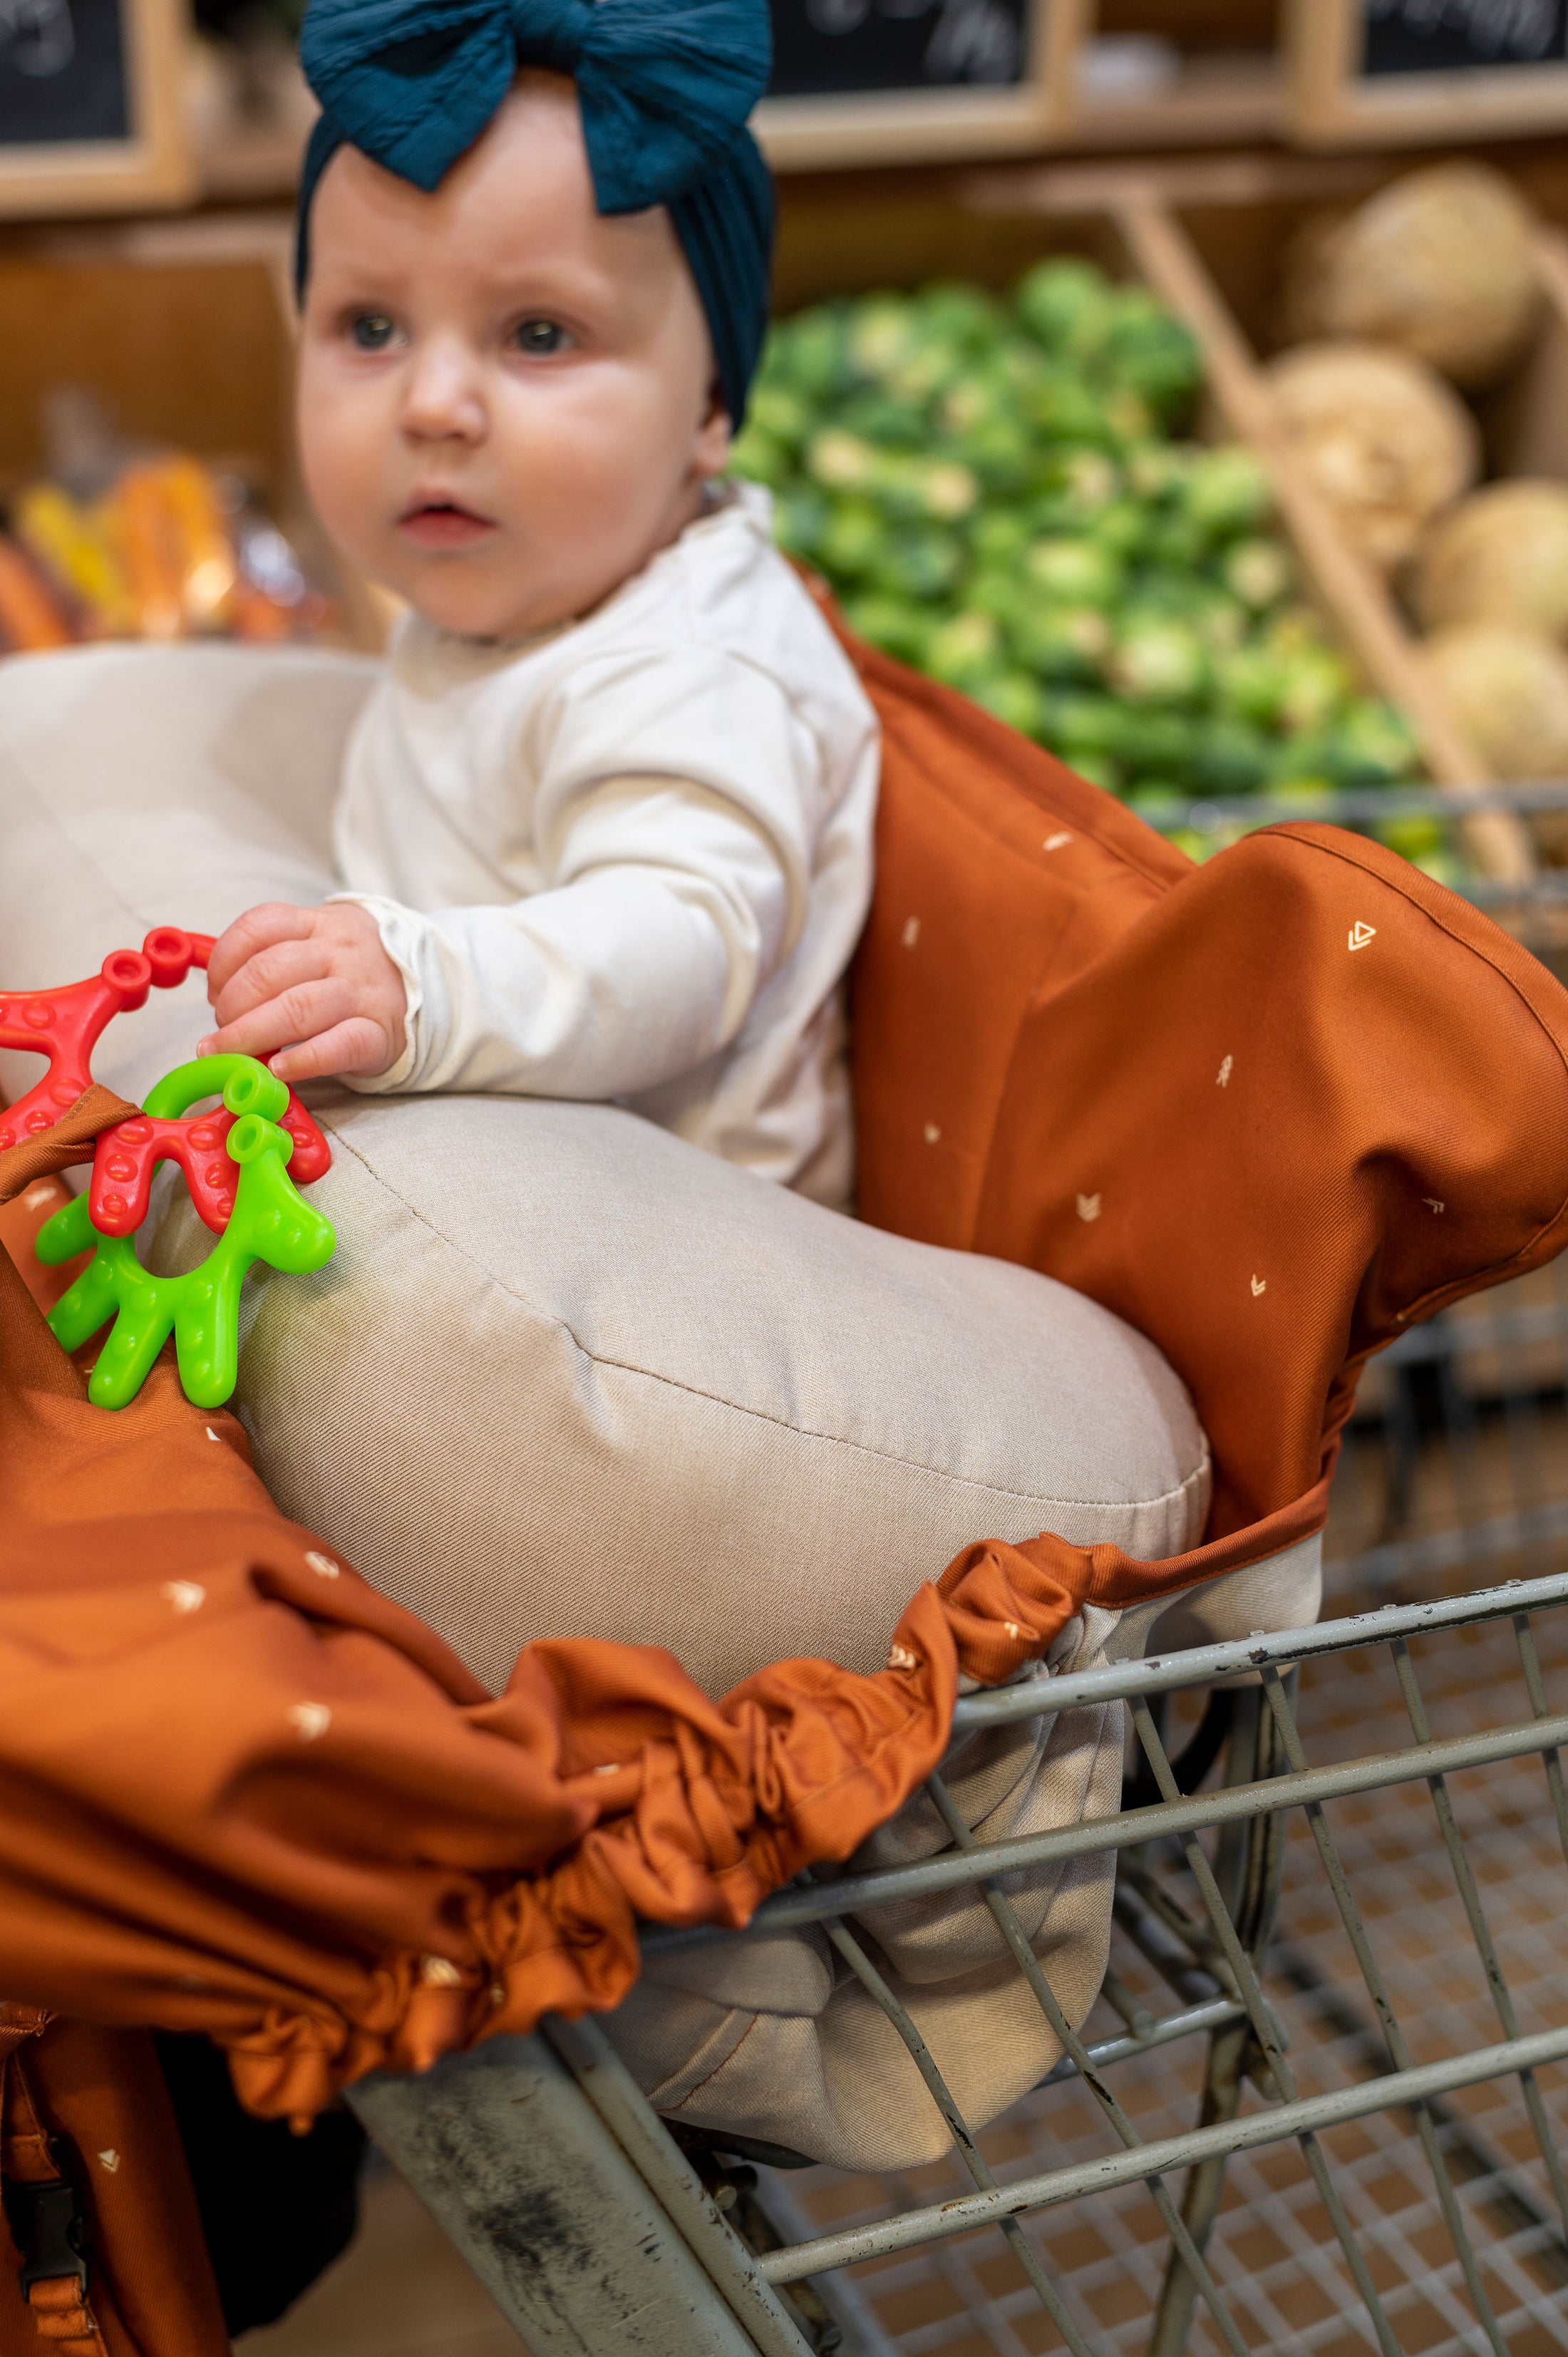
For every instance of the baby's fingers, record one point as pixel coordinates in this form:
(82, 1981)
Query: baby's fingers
(358, 1045)
(258, 928)
(282, 967)
(295, 1016)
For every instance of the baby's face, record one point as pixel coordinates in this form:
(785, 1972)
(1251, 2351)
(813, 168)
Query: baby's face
(505, 401)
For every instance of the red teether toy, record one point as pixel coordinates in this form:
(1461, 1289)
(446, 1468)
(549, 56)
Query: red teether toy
(127, 1155)
(66, 1025)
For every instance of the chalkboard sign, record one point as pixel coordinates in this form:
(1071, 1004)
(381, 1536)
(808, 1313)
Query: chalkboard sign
(877, 81)
(91, 106)
(1406, 37)
(1387, 70)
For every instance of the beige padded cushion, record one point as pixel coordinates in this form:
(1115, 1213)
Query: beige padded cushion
(569, 1376)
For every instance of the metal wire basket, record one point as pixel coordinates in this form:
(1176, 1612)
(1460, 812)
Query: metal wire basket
(1320, 2103)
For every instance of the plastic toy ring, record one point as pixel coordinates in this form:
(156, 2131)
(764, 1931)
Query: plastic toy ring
(66, 1025)
(269, 1223)
(125, 1156)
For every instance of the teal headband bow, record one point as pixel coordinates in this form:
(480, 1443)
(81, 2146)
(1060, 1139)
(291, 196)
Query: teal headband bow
(665, 88)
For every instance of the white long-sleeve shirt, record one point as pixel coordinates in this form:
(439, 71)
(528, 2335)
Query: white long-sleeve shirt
(630, 859)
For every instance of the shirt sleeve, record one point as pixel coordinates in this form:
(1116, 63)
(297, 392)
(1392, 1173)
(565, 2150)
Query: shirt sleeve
(669, 899)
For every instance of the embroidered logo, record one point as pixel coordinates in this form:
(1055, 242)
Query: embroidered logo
(900, 1657)
(1089, 1208)
(1225, 1069)
(1058, 842)
(1433, 1205)
(933, 1135)
(1260, 1284)
(911, 933)
(109, 2160)
(309, 1719)
(185, 1595)
(1361, 934)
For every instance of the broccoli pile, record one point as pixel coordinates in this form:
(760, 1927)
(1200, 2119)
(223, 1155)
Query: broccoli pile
(998, 493)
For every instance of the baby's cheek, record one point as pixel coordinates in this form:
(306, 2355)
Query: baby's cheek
(342, 456)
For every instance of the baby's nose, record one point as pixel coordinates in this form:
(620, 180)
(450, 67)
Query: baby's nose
(442, 397)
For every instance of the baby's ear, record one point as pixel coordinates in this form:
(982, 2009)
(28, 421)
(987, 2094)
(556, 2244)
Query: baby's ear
(715, 436)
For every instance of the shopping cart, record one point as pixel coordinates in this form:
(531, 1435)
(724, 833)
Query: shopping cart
(1321, 2101)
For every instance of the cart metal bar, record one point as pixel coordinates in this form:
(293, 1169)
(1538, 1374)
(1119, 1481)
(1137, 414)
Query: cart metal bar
(1119, 1681)
(1399, 2090)
(1271, 2045)
(1007, 1923)
(1535, 1685)
(1163, 2031)
(527, 2181)
(1455, 1338)
(659, 2161)
(1356, 806)
(815, 1903)
(1480, 1930)
(969, 2152)
(1382, 2004)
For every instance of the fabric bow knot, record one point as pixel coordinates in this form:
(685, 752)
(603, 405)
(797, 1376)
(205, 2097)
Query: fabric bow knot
(664, 87)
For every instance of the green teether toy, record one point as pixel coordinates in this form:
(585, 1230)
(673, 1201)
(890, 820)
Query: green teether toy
(269, 1223)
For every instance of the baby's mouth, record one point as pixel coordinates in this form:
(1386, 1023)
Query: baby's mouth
(437, 522)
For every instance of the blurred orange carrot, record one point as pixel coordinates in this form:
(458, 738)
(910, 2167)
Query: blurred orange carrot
(30, 619)
(146, 538)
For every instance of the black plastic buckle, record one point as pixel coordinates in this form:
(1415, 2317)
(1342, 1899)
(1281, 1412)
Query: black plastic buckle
(49, 2226)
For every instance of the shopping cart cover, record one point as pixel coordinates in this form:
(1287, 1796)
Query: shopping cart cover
(1269, 1110)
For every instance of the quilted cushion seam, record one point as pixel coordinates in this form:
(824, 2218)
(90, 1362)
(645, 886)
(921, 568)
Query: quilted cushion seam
(738, 1407)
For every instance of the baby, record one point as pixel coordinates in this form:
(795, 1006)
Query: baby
(605, 819)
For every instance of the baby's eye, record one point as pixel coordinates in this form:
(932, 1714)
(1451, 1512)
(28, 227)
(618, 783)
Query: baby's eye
(371, 331)
(539, 338)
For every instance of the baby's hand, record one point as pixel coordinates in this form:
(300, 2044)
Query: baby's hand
(314, 981)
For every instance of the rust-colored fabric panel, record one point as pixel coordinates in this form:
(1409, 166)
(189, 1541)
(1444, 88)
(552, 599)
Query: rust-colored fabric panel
(20, 1220)
(101, 2093)
(1222, 1101)
(976, 912)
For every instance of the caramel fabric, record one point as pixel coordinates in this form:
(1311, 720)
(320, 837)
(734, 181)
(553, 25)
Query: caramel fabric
(1269, 1110)
(92, 2102)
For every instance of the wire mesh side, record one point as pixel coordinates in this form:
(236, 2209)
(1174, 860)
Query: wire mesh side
(1203, 1985)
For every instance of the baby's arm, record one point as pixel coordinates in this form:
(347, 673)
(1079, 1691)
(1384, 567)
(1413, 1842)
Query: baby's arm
(314, 983)
(668, 907)
(668, 903)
